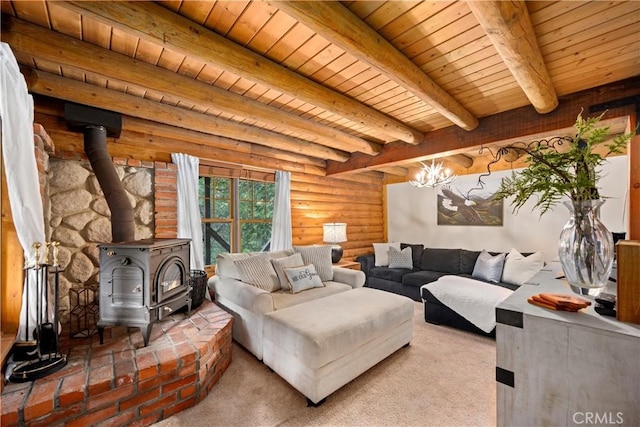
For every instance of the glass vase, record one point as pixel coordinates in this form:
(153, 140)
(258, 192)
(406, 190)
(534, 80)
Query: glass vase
(586, 248)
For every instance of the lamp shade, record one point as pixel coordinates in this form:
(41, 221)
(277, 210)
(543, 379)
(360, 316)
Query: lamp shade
(334, 232)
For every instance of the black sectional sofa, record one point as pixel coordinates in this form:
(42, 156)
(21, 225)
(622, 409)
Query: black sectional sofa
(429, 264)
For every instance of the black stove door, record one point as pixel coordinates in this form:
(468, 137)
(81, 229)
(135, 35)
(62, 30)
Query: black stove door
(171, 278)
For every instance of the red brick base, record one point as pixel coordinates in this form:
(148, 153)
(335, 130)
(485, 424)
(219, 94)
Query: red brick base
(121, 382)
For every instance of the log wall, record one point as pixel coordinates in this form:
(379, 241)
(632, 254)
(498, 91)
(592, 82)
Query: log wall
(315, 199)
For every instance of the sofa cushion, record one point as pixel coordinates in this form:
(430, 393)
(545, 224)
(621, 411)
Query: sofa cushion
(225, 266)
(400, 258)
(257, 271)
(393, 274)
(338, 324)
(468, 261)
(302, 278)
(294, 260)
(488, 268)
(283, 299)
(381, 252)
(416, 252)
(518, 268)
(419, 278)
(320, 257)
(444, 260)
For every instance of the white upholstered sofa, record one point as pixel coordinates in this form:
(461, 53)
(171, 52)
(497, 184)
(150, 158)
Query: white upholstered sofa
(248, 303)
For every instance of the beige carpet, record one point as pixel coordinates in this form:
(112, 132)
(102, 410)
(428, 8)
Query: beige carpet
(446, 377)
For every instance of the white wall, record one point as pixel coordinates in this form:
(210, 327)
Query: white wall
(412, 216)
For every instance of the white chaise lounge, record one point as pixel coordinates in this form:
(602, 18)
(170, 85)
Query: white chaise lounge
(317, 339)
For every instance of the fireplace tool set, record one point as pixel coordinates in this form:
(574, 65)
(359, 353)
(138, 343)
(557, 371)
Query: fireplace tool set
(40, 356)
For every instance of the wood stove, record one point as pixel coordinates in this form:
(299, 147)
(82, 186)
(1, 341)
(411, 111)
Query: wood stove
(142, 282)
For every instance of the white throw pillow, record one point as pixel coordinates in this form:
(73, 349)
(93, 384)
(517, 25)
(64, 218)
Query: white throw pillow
(518, 269)
(488, 268)
(279, 264)
(258, 271)
(302, 278)
(320, 257)
(400, 259)
(381, 251)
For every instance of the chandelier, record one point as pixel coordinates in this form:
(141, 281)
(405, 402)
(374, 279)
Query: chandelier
(432, 176)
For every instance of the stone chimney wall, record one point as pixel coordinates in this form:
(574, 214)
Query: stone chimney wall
(79, 217)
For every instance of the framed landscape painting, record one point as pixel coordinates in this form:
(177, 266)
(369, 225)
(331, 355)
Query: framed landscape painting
(459, 207)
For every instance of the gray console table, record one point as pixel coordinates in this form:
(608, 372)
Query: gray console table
(563, 369)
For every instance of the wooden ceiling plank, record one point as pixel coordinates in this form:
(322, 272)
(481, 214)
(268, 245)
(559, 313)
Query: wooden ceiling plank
(614, 72)
(59, 87)
(458, 22)
(543, 11)
(253, 18)
(388, 12)
(173, 5)
(509, 27)
(267, 37)
(320, 60)
(364, 8)
(64, 22)
(334, 68)
(148, 52)
(290, 42)
(344, 29)
(73, 73)
(99, 81)
(33, 11)
(344, 81)
(434, 17)
(515, 123)
(123, 43)
(197, 11)
(165, 28)
(170, 60)
(224, 15)
(600, 55)
(453, 49)
(585, 22)
(76, 53)
(612, 37)
(209, 74)
(191, 67)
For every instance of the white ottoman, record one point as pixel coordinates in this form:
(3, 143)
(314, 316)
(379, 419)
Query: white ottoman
(321, 345)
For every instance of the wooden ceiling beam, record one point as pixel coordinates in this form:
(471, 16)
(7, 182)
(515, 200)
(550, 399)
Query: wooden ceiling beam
(508, 26)
(165, 28)
(42, 43)
(83, 93)
(518, 123)
(340, 26)
(460, 159)
(394, 170)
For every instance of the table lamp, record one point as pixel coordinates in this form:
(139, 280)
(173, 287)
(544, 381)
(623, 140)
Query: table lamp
(334, 233)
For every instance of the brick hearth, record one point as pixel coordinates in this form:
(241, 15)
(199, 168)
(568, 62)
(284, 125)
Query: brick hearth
(121, 382)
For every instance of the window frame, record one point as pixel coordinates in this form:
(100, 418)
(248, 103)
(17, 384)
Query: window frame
(235, 175)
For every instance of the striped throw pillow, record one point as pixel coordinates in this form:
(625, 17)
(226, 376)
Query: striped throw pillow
(320, 257)
(258, 271)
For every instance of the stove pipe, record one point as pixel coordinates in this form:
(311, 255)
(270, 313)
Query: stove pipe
(122, 218)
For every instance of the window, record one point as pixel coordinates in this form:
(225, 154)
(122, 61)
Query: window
(236, 215)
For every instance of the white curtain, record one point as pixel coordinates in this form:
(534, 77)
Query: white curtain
(16, 111)
(281, 226)
(189, 222)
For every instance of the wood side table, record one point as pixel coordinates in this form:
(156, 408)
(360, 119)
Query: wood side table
(353, 265)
